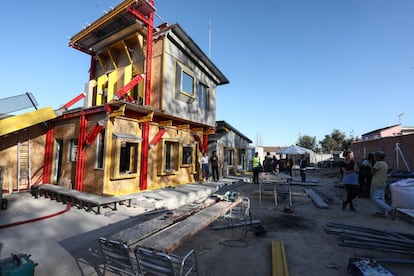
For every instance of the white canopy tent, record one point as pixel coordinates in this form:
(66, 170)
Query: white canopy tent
(293, 149)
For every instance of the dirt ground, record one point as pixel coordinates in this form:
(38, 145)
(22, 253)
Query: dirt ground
(309, 249)
(67, 244)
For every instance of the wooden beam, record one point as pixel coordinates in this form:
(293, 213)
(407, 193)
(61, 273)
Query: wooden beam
(165, 123)
(147, 118)
(210, 131)
(279, 262)
(183, 127)
(198, 130)
(119, 112)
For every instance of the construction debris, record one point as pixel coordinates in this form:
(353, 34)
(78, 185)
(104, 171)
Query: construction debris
(370, 238)
(319, 202)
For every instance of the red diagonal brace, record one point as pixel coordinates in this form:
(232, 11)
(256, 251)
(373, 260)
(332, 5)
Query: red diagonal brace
(94, 133)
(74, 100)
(121, 92)
(157, 137)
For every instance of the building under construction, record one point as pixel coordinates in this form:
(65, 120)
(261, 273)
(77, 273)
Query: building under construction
(149, 108)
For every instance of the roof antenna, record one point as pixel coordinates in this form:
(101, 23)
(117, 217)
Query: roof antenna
(399, 117)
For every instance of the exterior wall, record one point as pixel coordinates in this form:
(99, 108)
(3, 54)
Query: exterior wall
(181, 104)
(36, 135)
(388, 145)
(65, 130)
(93, 177)
(231, 142)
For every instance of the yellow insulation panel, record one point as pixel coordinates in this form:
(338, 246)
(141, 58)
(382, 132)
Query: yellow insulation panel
(112, 85)
(18, 122)
(127, 75)
(102, 80)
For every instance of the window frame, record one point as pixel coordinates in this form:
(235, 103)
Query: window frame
(184, 148)
(230, 157)
(73, 146)
(181, 93)
(203, 96)
(174, 155)
(100, 150)
(134, 164)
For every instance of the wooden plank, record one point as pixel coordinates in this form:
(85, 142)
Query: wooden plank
(136, 233)
(172, 237)
(319, 202)
(18, 122)
(279, 262)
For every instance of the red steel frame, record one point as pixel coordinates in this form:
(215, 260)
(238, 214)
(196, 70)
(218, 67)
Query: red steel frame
(149, 21)
(80, 160)
(48, 153)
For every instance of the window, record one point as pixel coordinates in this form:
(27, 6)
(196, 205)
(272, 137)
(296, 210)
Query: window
(170, 156)
(202, 96)
(58, 160)
(230, 157)
(100, 143)
(73, 150)
(187, 83)
(126, 156)
(184, 84)
(242, 154)
(187, 156)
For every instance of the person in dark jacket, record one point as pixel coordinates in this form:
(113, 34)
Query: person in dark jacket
(364, 176)
(302, 167)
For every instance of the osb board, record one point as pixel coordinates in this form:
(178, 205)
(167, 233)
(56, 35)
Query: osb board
(126, 126)
(9, 152)
(122, 186)
(157, 76)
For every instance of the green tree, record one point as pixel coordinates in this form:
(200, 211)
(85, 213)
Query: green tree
(307, 141)
(333, 142)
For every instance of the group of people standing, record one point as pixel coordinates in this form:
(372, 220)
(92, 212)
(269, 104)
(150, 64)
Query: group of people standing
(369, 180)
(272, 164)
(205, 167)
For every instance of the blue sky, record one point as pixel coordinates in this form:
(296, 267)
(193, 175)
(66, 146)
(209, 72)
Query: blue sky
(296, 67)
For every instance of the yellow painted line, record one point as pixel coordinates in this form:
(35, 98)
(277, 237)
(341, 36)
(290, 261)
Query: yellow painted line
(18, 122)
(279, 262)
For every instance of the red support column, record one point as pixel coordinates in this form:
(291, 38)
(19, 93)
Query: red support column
(80, 160)
(48, 154)
(205, 142)
(149, 21)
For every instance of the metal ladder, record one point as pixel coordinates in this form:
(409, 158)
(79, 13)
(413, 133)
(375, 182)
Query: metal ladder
(23, 164)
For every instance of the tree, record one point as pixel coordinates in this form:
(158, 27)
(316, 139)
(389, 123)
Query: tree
(333, 142)
(307, 141)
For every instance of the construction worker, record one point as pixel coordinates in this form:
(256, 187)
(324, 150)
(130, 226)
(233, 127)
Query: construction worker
(256, 167)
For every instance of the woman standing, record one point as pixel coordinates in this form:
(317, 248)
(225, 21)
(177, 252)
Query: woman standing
(349, 179)
(204, 166)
